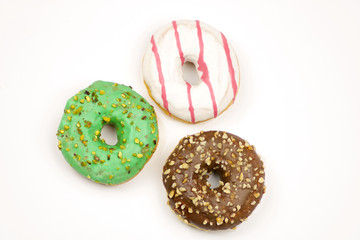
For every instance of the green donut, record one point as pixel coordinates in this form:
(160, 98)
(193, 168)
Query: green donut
(88, 112)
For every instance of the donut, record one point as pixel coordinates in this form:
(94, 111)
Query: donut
(79, 133)
(191, 196)
(215, 61)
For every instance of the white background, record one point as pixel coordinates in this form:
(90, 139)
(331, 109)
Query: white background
(298, 103)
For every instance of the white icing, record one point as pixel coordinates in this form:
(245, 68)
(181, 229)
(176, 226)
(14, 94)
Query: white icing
(175, 85)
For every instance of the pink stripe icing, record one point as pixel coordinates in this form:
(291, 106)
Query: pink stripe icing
(178, 44)
(191, 108)
(203, 68)
(230, 65)
(161, 77)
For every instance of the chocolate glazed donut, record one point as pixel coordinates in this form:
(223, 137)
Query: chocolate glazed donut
(190, 195)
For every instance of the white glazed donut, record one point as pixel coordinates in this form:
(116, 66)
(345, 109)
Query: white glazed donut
(214, 59)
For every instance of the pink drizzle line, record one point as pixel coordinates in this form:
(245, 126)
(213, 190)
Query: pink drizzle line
(178, 43)
(161, 77)
(191, 108)
(230, 65)
(203, 68)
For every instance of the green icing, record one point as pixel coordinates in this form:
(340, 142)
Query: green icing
(88, 112)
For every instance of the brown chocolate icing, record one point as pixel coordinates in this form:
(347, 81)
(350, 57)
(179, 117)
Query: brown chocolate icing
(241, 174)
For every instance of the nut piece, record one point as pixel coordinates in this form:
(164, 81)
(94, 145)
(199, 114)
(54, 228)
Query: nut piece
(261, 180)
(171, 194)
(184, 166)
(219, 220)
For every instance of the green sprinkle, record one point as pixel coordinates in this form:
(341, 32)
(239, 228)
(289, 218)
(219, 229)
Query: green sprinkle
(152, 127)
(106, 119)
(78, 110)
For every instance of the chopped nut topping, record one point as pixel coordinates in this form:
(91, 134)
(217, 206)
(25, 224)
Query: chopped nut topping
(184, 166)
(219, 220)
(208, 161)
(226, 191)
(256, 195)
(178, 191)
(225, 154)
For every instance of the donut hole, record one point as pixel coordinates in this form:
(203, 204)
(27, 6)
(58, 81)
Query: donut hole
(190, 74)
(214, 179)
(108, 134)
